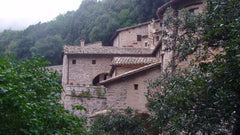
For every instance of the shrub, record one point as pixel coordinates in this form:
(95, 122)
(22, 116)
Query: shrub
(117, 123)
(29, 100)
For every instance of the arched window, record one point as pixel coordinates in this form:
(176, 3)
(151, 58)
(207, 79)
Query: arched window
(99, 78)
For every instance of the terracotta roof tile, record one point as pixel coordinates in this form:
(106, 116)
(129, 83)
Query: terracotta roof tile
(134, 60)
(106, 50)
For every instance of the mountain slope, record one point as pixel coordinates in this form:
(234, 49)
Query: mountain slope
(93, 21)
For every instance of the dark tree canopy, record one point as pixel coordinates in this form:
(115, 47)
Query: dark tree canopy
(204, 97)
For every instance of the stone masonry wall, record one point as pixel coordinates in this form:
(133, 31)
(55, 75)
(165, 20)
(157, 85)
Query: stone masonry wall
(128, 38)
(83, 72)
(93, 98)
(148, 32)
(121, 94)
(123, 69)
(166, 56)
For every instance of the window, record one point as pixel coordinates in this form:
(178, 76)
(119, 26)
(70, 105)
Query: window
(93, 61)
(191, 11)
(135, 86)
(146, 44)
(74, 61)
(139, 38)
(157, 38)
(161, 24)
(105, 76)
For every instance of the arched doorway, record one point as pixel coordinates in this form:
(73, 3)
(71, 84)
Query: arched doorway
(99, 78)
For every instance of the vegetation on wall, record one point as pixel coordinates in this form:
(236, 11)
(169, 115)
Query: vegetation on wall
(206, 96)
(93, 21)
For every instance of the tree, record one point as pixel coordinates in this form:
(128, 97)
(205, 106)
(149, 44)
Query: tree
(50, 48)
(206, 96)
(85, 23)
(29, 100)
(118, 123)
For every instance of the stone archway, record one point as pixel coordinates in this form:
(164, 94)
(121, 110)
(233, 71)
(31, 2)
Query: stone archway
(98, 78)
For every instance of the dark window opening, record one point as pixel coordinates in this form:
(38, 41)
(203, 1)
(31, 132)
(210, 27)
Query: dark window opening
(96, 80)
(105, 76)
(139, 38)
(136, 86)
(192, 10)
(93, 61)
(99, 78)
(161, 24)
(157, 38)
(74, 61)
(146, 44)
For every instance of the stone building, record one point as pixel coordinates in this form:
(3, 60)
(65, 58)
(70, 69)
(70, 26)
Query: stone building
(144, 35)
(116, 76)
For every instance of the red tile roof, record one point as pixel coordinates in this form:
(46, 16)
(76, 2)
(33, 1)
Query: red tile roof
(134, 60)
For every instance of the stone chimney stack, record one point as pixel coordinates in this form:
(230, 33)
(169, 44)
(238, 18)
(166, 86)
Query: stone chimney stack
(82, 43)
(153, 23)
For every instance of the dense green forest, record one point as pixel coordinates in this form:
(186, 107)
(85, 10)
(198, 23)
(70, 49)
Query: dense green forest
(93, 21)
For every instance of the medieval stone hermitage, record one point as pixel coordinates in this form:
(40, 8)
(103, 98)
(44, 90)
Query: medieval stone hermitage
(115, 77)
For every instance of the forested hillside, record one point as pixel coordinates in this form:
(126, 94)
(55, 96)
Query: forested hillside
(93, 21)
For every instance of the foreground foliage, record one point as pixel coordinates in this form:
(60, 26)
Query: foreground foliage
(117, 123)
(205, 97)
(29, 100)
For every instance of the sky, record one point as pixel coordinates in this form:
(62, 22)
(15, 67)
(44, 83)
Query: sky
(18, 14)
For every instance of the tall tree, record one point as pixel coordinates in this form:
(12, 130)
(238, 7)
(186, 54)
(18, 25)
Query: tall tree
(205, 97)
(29, 100)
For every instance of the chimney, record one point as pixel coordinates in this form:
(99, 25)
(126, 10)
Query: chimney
(153, 23)
(82, 43)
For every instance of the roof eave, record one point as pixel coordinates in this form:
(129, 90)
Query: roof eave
(132, 72)
(99, 54)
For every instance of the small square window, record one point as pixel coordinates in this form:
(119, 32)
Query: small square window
(74, 61)
(93, 61)
(135, 86)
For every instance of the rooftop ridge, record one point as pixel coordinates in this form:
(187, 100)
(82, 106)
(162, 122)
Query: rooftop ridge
(107, 50)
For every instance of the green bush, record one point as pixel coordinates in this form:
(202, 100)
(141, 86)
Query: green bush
(29, 100)
(117, 123)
